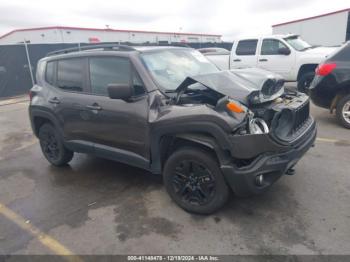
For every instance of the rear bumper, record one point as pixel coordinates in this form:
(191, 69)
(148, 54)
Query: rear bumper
(321, 99)
(242, 180)
(323, 90)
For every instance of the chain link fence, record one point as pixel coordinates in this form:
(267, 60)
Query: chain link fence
(18, 63)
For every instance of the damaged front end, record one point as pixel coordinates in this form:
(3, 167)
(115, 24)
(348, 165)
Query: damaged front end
(273, 126)
(256, 94)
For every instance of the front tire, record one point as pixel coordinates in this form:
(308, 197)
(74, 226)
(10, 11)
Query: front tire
(304, 82)
(343, 111)
(194, 181)
(52, 146)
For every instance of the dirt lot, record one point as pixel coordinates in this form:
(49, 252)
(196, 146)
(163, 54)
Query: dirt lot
(96, 206)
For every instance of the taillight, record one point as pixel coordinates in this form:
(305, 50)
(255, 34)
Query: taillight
(325, 69)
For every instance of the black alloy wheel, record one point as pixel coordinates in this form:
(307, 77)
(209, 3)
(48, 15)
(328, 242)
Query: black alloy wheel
(52, 146)
(193, 179)
(305, 82)
(193, 183)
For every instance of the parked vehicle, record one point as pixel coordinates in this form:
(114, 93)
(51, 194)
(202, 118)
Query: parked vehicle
(172, 112)
(220, 55)
(214, 51)
(331, 86)
(287, 55)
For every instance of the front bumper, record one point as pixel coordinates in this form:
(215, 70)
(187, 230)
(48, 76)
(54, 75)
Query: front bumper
(272, 165)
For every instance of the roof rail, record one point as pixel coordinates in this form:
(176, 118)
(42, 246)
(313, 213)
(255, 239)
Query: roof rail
(116, 47)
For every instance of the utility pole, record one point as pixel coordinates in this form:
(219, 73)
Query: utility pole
(29, 63)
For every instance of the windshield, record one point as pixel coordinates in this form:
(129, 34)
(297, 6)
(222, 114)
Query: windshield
(170, 67)
(297, 43)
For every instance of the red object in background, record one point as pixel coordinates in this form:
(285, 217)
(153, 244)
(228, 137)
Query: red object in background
(94, 40)
(30, 93)
(325, 69)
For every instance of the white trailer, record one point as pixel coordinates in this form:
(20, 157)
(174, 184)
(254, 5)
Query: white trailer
(331, 29)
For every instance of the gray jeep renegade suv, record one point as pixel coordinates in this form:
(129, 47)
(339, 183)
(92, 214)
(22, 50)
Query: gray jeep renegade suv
(170, 111)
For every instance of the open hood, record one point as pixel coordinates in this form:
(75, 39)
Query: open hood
(248, 86)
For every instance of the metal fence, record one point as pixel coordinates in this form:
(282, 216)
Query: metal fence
(18, 63)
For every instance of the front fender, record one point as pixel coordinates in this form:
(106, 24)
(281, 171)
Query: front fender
(219, 138)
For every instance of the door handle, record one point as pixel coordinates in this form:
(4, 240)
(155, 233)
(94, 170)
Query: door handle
(94, 106)
(237, 60)
(54, 100)
(263, 60)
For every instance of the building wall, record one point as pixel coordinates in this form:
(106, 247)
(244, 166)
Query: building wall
(51, 36)
(327, 30)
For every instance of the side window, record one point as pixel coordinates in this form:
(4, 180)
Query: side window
(50, 72)
(246, 47)
(70, 74)
(138, 85)
(271, 46)
(108, 70)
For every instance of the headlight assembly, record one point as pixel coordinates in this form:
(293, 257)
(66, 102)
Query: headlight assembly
(258, 126)
(271, 86)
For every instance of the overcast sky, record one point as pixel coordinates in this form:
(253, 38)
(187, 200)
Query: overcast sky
(227, 17)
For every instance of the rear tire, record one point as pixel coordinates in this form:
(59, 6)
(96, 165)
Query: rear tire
(52, 146)
(194, 181)
(304, 81)
(343, 111)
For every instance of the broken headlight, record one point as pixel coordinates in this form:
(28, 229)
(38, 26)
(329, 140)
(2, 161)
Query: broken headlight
(271, 86)
(270, 90)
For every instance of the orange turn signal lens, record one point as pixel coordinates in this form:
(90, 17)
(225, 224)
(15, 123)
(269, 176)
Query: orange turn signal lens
(234, 107)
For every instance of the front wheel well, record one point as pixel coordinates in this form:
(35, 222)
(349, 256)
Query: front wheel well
(170, 144)
(306, 69)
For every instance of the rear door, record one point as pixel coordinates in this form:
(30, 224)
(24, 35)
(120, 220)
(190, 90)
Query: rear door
(244, 54)
(69, 97)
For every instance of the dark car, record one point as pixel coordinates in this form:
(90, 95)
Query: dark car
(170, 111)
(331, 86)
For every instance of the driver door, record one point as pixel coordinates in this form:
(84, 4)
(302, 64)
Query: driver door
(272, 60)
(116, 125)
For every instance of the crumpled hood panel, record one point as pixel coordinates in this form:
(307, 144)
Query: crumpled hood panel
(237, 84)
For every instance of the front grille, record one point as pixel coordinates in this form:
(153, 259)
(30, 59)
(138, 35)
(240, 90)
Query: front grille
(291, 122)
(301, 115)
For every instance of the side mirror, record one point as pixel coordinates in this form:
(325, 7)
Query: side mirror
(119, 91)
(284, 51)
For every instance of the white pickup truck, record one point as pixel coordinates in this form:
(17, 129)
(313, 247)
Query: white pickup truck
(287, 55)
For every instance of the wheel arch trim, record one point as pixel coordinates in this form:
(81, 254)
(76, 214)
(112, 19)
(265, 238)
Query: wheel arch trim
(36, 112)
(206, 134)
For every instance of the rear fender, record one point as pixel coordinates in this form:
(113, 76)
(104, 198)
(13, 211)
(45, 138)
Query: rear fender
(42, 113)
